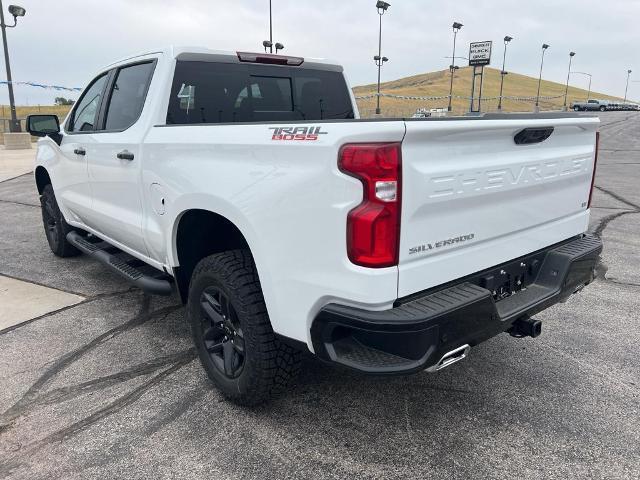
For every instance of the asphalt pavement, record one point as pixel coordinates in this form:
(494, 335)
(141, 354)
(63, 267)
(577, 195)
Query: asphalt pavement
(109, 387)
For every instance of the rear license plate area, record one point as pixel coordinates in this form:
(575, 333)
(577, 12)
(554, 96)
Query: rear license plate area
(511, 278)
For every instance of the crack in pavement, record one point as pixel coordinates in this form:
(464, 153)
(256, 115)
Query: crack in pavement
(601, 267)
(32, 395)
(620, 150)
(620, 198)
(64, 394)
(9, 464)
(24, 204)
(605, 221)
(177, 410)
(86, 300)
(606, 126)
(17, 176)
(35, 282)
(610, 208)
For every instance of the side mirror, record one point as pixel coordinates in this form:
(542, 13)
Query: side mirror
(44, 126)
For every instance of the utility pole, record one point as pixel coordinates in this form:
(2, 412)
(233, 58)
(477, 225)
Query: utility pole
(503, 72)
(566, 90)
(544, 49)
(270, 29)
(14, 124)
(456, 28)
(379, 59)
(627, 87)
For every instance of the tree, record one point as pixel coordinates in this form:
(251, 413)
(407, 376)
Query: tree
(64, 101)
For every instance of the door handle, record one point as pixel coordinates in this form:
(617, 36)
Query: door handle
(80, 151)
(125, 155)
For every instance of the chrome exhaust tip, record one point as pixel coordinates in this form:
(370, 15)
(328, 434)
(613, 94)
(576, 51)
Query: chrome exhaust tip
(450, 358)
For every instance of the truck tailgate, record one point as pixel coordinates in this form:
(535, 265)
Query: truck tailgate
(472, 198)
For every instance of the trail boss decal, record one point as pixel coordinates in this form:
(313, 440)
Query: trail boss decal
(296, 133)
(442, 243)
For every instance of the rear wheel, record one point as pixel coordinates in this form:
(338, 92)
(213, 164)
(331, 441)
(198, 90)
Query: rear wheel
(232, 332)
(576, 108)
(55, 226)
(603, 108)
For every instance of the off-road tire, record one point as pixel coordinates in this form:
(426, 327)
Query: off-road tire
(269, 365)
(55, 226)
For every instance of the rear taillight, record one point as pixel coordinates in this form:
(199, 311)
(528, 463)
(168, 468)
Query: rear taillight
(595, 164)
(373, 227)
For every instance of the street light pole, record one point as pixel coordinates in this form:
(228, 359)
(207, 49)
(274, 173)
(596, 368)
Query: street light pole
(379, 59)
(566, 89)
(544, 49)
(503, 72)
(456, 28)
(627, 87)
(269, 43)
(14, 125)
(588, 75)
(270, 29)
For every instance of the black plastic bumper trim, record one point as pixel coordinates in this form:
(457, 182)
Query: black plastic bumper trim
(421, 328)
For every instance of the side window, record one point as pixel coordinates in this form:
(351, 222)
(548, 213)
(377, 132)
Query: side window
(127, 96)
(86, 111)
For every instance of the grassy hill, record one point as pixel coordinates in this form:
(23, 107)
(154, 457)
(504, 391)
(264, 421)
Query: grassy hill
(437, 84)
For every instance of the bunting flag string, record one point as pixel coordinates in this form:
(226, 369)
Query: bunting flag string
(42, 85)
(441, 97)
(360, 97)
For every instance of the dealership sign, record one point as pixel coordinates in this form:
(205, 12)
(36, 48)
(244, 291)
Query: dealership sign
(480, 54)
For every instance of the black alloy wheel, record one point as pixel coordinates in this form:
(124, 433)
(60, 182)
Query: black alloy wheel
(55, 226)
(232, 331)
(51, 224)
(222, 332)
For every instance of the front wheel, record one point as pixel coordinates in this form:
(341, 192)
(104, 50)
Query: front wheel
(576, 109)
(55, 226)
(232, 332)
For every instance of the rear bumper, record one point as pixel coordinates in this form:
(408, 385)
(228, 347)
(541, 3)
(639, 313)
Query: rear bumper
(420, 329)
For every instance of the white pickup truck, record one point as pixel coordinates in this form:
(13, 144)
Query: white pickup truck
(248, 183)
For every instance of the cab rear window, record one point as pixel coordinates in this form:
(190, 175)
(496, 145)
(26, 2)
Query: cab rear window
(207, 92)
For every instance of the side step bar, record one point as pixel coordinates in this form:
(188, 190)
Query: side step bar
(135, 271)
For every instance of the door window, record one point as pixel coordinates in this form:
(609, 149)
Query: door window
(86, 111)
(127, 96)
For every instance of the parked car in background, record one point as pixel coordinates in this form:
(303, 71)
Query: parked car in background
(590, 105)
(603, 105)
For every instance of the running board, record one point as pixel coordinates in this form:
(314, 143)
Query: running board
(132, 269)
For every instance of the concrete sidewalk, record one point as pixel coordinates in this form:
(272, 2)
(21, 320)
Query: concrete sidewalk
(14, 163)
(22, 301)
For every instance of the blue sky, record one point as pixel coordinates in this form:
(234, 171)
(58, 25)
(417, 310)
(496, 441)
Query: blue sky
(65, 42)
